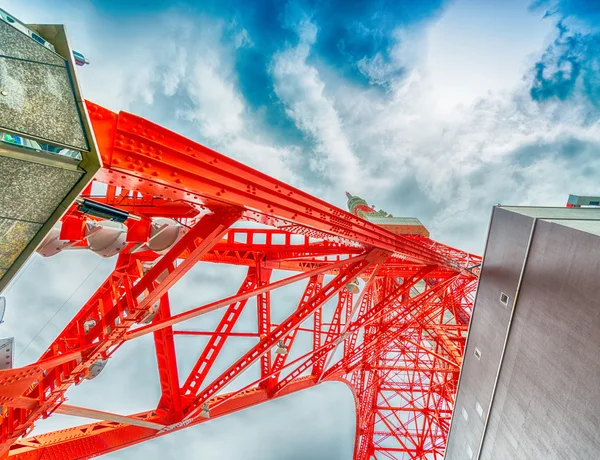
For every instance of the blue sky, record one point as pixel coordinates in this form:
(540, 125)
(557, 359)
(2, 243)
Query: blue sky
(432, 109)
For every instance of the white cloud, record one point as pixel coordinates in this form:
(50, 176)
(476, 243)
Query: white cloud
(217, 108)
(455, 135)
(300, 87)
(504, 149)
(477, 47)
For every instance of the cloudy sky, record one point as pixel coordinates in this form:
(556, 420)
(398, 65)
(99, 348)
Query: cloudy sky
(426, 108)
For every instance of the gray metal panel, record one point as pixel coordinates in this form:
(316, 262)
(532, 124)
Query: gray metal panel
(32, 191)
(7, 347)
(548, 400)
(505, 252)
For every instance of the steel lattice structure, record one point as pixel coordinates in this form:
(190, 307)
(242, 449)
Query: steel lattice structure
(397, 343)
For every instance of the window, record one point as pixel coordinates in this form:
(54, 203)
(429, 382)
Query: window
(465, 414)
(504, 299)
(477, 353)
(469, 452)
(479, 409)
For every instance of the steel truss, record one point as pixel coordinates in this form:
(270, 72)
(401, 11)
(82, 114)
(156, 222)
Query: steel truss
(397, 344)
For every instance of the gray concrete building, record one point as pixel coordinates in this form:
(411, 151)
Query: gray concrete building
(530, 382)
(48, 152)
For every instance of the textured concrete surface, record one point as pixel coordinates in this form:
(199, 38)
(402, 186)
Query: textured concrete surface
(39, 99)
(14, 236)
(32, 191)
(547, 402)
(29, 193)
(15, 44)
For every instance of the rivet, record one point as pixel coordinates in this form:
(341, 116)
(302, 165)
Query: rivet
(179, 181)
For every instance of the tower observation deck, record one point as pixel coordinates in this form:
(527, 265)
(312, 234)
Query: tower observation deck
(380, 306)
(398, 225)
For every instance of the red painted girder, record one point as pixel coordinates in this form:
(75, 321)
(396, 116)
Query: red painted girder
(400, 315)
(370, 316)
(217, 341)
(335, 329)
(353, 269)
(313, 286)
(367, 395)
(167, 362)
(263, 315)
(144, 157)
(394, 326)
(115, 308)
(181, 317)
(91, 440)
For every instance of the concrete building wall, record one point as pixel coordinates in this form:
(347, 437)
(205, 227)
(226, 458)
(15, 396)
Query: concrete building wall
(547, 400)
(503, 261)
(40, 103)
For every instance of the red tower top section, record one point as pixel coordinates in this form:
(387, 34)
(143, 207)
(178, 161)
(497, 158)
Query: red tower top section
(397, 225)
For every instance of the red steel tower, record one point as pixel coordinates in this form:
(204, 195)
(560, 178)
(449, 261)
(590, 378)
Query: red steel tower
(384, 309)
